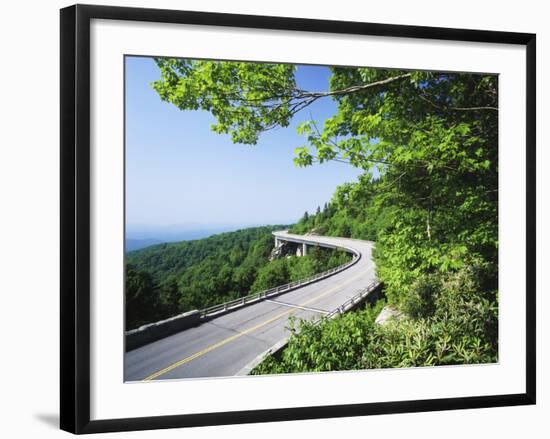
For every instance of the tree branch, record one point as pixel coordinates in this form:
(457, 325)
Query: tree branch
(441, 107)
(355, 88)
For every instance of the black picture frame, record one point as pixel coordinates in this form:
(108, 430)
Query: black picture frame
(75, 217)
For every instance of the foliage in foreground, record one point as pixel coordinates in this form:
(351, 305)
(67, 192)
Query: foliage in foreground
(427, 142)
(447, 323)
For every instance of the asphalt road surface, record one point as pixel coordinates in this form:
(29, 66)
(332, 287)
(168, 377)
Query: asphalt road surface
(226, 344)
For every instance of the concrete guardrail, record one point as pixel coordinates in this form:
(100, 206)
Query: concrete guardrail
(155, 331)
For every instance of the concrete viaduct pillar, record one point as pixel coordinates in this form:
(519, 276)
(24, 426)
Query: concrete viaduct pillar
(301, 248)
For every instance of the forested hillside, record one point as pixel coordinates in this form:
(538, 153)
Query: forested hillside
(167, 279)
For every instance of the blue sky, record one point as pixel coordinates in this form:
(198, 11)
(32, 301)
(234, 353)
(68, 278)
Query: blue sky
(179, 172)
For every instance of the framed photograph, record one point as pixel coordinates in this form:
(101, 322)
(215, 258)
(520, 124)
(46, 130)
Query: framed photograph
(268, 218)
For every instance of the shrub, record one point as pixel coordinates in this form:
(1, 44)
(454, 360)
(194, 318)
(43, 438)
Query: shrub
(450, 321)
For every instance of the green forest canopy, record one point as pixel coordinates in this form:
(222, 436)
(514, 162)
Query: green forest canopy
(432, 209)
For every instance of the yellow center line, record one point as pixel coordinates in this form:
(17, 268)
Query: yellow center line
(245, 332)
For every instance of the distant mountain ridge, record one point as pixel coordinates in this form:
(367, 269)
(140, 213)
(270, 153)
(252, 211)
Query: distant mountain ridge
(136, 244)
(138, 237)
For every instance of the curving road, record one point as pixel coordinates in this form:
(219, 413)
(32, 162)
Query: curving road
(224, 345)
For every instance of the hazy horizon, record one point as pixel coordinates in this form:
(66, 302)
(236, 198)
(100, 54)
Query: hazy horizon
(141, 231)
(138, 237)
